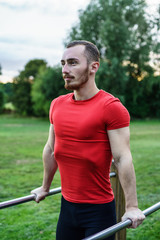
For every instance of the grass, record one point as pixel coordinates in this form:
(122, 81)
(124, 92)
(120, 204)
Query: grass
(21, 170)
(145, 146)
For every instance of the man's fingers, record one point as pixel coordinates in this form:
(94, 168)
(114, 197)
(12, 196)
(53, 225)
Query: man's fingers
(135, 223)
(136, 216)
(39, 198)
(36, 198)
(39, 194)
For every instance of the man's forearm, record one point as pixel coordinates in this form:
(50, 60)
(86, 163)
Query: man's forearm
(127, 179)
(50, 167)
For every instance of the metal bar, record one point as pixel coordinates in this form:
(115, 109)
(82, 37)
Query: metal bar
(112, 174)
(151, 209)
(26, 199)
(32, 196)
(121, 225)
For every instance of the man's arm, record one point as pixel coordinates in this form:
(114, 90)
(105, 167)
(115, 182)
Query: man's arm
(50, 167)
(120, 147)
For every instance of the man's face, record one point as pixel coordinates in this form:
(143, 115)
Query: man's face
(74, 67)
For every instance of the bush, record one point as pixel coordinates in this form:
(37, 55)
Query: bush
(1, 101)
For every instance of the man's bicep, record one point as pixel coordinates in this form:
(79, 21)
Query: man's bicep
(119, 141)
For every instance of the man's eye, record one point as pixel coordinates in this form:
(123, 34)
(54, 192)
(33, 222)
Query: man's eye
(72, 62)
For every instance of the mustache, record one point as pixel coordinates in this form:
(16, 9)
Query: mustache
(67, 76)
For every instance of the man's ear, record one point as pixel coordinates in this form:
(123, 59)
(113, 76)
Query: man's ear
(94, 67)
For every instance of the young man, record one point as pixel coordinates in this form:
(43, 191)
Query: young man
(88, 128)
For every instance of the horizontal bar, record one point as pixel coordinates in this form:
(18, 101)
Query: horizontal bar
(32, 196)
(121, 225)
(112, 174)
(26, 199)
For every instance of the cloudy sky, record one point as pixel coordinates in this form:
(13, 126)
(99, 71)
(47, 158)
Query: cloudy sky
(32, 29)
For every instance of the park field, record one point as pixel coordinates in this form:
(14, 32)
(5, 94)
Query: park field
(21, 170)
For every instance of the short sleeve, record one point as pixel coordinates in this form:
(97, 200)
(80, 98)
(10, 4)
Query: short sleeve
(116, 115)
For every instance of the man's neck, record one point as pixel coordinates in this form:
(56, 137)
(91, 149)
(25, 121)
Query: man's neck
(84, 94)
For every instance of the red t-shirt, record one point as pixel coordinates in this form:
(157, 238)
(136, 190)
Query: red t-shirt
(82, 148)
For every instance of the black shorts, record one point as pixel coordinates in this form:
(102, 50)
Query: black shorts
(77, 221)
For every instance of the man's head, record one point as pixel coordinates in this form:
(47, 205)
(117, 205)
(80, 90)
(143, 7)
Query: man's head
(91, 51)
(80, 62)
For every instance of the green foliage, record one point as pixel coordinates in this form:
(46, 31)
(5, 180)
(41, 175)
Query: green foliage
(22, 98)
(142, 98)
(32, 68)
(105, 80)
(47, 85)
(124, 34)
(1, 101)
(38, 98)
(22, 86)
(8, 91)
(121, 31)
(9, 107)
(154, 96)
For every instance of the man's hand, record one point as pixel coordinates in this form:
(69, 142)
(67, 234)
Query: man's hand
(135, 215)
(39, 193)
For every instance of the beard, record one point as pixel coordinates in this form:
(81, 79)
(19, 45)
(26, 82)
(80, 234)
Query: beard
(75, 84)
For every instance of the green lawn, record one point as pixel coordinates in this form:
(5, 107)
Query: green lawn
(21, 170)
(145, 146)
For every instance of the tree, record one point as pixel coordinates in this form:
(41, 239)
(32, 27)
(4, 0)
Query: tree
(47, 85)
(8, 91)
(1, 100)
(32, 68)
(0, 70)
(124, 34)
(22, 86)
(152, 93)
(38, 98)
(22, 99)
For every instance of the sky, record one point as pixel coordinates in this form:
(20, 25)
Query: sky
(31, 29)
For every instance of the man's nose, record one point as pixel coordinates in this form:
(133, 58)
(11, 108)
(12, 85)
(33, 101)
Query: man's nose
(65, 68)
